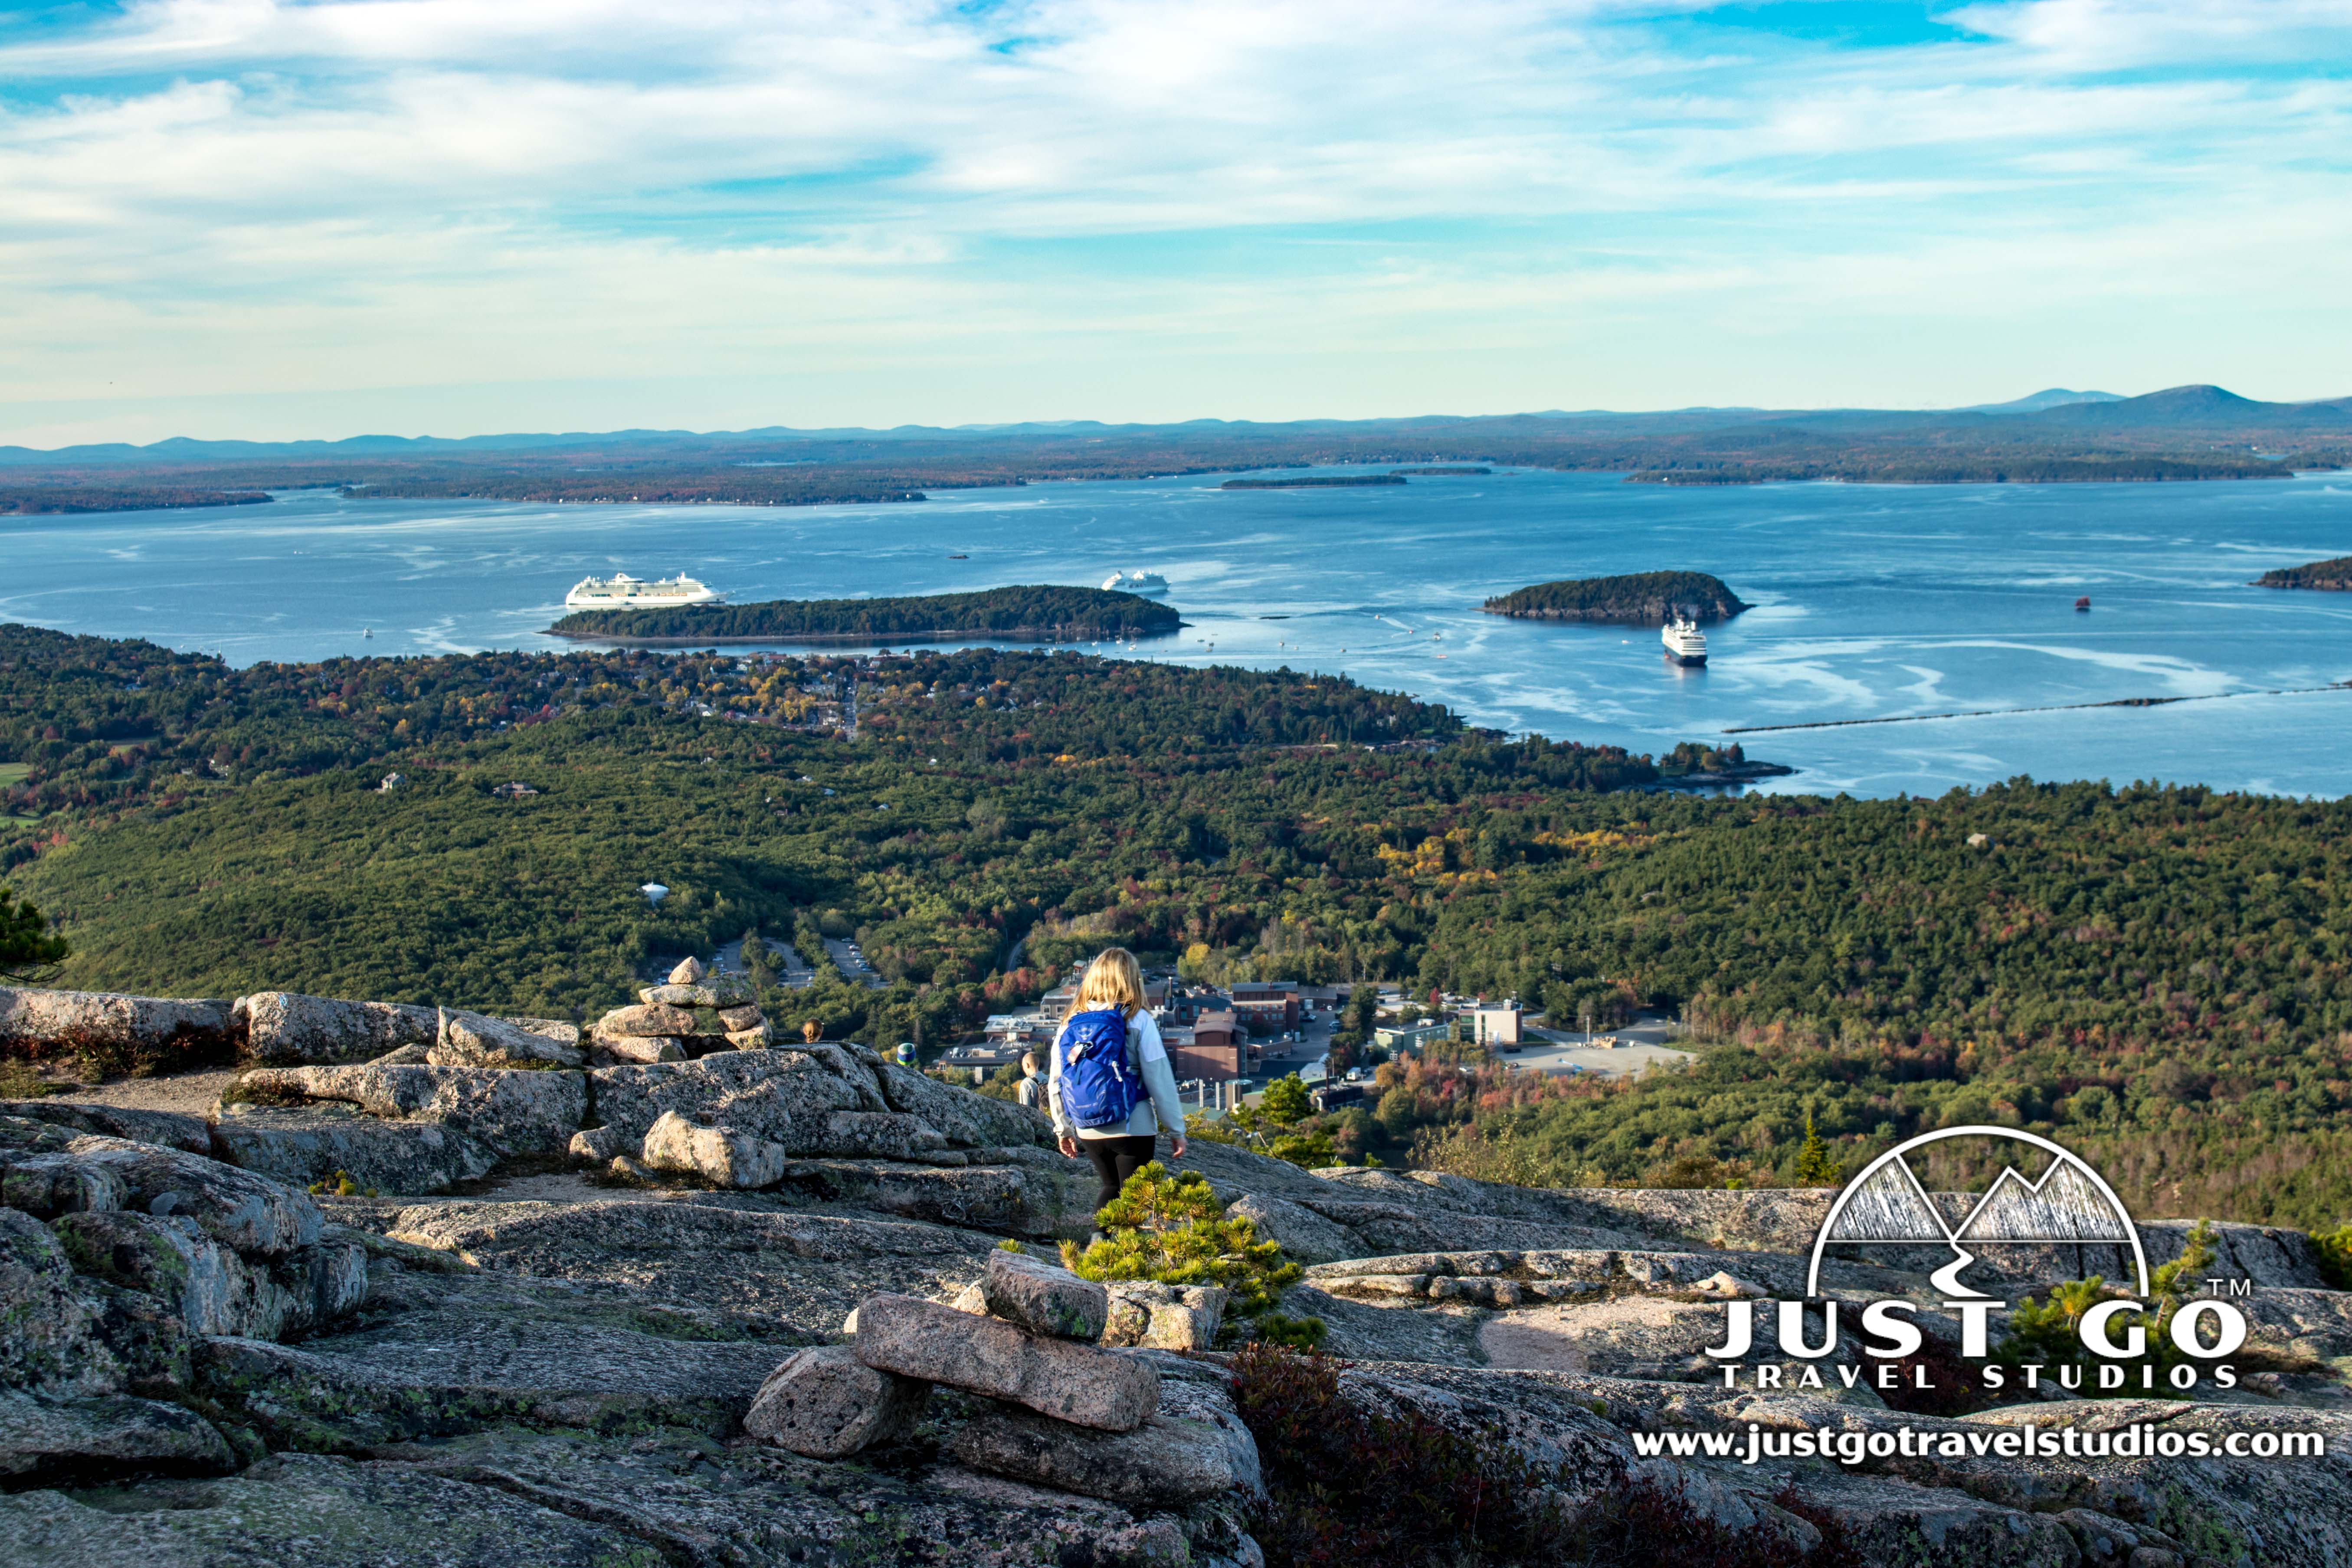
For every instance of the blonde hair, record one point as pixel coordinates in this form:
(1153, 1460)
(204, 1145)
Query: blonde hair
(1113, 980)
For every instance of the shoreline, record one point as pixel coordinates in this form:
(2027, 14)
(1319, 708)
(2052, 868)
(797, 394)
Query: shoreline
(884, 640)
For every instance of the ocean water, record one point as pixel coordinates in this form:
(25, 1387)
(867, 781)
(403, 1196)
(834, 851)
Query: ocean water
(1872, 602)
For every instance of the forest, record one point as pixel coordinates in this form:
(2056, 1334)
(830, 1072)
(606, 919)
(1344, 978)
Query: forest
(2157, 976)
(36, 500)
(1639, 598)
(1996, 467)
(1043, 613)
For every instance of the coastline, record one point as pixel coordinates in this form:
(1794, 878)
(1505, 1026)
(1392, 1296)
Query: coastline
(882, 639)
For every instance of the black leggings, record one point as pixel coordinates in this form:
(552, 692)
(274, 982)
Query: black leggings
(1116, 1159)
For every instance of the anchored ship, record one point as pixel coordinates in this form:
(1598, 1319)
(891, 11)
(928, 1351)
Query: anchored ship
(1686, 644)
(1148, 583)
(623, 591)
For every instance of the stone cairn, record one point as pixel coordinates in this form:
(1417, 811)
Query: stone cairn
(1060, 1410)
(695, 1014)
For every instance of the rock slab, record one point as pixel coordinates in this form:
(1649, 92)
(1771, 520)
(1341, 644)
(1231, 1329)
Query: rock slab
(825, 1404)
(722, 1156)
(285, 1026)
(1044, 1298)
(1165, 1463)
(1081, 1385)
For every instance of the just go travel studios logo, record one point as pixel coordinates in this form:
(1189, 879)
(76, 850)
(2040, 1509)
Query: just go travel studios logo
(2068, 1205)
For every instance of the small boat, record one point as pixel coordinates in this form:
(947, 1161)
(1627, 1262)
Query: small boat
(1151, 584)
(958, 557)
(2083, 603)
(368, 632)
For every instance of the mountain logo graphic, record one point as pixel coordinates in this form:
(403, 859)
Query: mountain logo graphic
(1886, 1206)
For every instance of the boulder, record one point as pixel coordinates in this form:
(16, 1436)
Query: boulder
(37, 1023)
(783, 1097)
(562, 1032)
(1044, 1298)
(969, 1120)
(757, 1037)
(168, 1128)
(48, 1340)
(109, 1436)
(168, 1257)
(322, 1284)
(314, 1144)
(595, 1146)
(992, 1198)
(690, 972)
(722, 1156)
(246, 1213)
(281, 1027)
(1164, 1317)
(1304, 1235)
(875, 1135)
(513, 1111)
(1163, 1464)
(145, 1334)
(651, 1018)
(471, 1039)
(825, 1404)
(746, 1017)
(21, 1135)
(1082, 1384)
(48, 1186)
(621, 1049)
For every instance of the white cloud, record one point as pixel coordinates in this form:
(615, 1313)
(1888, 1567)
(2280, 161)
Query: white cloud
(243, 196)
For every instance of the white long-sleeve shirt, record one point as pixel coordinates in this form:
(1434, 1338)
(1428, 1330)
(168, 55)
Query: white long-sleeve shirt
(1158, 1108)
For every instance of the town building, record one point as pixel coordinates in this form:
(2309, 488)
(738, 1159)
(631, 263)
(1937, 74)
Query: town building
(1270, 1005)
(1215, 1048)
(1495, 1026)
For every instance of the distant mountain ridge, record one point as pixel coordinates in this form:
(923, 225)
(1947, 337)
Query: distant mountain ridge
(2054, 412)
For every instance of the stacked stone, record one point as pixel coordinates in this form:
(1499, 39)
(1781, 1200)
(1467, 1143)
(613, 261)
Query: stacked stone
(695, 1014)
(1064, 1413)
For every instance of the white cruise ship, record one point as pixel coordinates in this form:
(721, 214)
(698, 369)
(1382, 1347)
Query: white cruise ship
(1686, 644)
(623, 591)
(1151, 584)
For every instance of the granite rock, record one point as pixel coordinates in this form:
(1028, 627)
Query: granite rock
(167, 1127)
(1044, 1298)
(648, 1018)
(824, 1403)
(1306, 1236)
(48, 1186)
(1082, 1384)
(512, 1111)
(303, 1145)
(285, 1027)
(48, 1339)
(41, 1024)
(472, 1039)
(1167, 1462)
(109, 1437)
(782, 1097)
(246, 1213)
(722, 1156)
(1164, 1317)
(608, 1049)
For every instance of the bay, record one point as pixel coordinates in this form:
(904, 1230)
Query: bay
(1872, 602)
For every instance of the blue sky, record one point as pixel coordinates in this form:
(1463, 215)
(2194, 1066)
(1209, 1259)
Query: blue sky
(242, 217)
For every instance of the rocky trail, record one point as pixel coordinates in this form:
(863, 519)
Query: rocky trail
(566, 1298)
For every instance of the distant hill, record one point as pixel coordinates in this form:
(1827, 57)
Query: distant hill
(2049, 397)
(2333, 576)
(1640, 598)
(1040, 614)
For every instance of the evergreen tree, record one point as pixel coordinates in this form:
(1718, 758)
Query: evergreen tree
(26, 944)
(1816, 1166)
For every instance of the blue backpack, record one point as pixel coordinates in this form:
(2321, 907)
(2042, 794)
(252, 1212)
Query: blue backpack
(1099, 1087)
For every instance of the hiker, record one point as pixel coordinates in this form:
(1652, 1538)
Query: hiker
(1110, 1088)
(1031, 1089)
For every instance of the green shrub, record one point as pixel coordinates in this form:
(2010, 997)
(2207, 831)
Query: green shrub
(1172, 1229)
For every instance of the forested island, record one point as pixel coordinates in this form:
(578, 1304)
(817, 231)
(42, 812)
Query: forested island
(2333, 576)
(1041, 614)
(1445, 471)
(1640, 598)
(742, 486)
(1313, 482)
(2152, 975)
(44, 500)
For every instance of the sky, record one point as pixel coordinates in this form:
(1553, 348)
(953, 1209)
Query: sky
(226, 218)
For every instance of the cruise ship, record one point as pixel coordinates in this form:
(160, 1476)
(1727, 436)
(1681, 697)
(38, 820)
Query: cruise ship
(1148, 583)
(1686, 644)
(623, 591)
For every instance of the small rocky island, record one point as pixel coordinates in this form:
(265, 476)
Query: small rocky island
(1639, 599)
(1037, 614)
(2331, 576)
